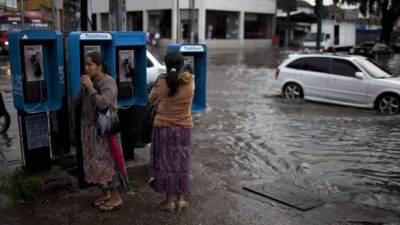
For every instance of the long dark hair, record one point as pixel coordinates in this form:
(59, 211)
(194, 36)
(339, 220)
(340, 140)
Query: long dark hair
(98, 59)
(174, 62)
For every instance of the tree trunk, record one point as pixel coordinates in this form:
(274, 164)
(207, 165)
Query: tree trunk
(118, 15)
(71, 7)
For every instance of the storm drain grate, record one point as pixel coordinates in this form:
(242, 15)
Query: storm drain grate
(287, 193)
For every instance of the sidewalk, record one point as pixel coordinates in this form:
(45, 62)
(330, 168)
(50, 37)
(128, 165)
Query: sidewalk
(209, 204)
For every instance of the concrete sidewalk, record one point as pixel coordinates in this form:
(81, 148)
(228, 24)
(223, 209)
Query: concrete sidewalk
(209, 204)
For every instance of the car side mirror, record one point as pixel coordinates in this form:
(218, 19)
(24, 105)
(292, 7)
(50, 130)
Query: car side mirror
(359, 75)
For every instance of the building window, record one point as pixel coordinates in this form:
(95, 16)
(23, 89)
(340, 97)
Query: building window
(160, 21)
(257, 26)
(134, 21)
(94, 22)
(222, 25)
(104, 22)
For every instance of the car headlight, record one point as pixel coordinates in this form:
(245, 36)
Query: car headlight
(6, 43)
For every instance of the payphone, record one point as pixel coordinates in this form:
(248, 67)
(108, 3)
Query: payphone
(37, 69)
(195, 62)
(131, 74)
(130, 55)
(79, 45)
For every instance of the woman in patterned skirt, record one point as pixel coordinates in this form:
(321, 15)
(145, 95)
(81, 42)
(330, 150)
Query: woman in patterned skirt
(172, 133)
(102, 161)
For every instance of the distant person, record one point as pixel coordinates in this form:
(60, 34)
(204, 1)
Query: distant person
(171, 146)
(102, 161)
(210, 28)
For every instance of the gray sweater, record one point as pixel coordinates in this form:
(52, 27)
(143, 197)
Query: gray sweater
(103, 95)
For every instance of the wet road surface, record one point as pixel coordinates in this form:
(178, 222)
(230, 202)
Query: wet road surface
(250, 135)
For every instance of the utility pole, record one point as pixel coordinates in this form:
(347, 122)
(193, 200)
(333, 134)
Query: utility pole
(84, 15)
(190, 33)
(22, 15)
(178, 22)
(118, 15)
(319, 6)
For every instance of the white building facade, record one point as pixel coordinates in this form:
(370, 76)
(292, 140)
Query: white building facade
(218, 23)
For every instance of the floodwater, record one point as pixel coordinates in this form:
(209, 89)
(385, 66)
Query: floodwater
(250, 135)
(256, 136)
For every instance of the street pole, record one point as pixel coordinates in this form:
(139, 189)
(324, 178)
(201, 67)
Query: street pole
(178, 22)
(287, 35)
(319, 6)
(191, 7)
(84, 15)
(22, 15)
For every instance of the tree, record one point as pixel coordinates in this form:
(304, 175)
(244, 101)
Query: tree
(389, 10)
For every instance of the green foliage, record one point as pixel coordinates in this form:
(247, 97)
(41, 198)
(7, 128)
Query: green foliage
(23, 187)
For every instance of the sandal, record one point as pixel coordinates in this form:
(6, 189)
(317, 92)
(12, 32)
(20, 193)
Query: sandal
(107, 207)
(181, 205)
(167, 207)
(100, 201)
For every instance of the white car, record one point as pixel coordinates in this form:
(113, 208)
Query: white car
(154, 69)
(339, 79)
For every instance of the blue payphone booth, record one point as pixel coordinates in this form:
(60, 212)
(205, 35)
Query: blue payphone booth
(130, 67)
(195, 56)
(79, 45)
(37, 68)
(131, 74)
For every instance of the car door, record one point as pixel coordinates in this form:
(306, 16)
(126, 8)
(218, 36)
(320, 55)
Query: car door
(313, 73)
(344, 86)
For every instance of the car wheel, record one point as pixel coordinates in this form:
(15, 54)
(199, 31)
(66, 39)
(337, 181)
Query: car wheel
(389, 104)
(292, 91)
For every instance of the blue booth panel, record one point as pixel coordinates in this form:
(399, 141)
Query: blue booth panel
(79, 45)
(130, 67)
(195, 61)
(37, 68)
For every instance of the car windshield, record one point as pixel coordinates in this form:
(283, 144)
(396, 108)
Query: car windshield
(373, 69)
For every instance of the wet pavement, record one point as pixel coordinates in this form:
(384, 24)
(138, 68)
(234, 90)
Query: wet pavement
(249, 135)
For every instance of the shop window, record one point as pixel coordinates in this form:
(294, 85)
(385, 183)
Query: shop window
(257, 26)
(160, 21)
(222, 25)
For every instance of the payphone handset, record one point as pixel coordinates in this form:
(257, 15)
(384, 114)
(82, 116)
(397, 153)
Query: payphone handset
(34, 77)
(125, 73)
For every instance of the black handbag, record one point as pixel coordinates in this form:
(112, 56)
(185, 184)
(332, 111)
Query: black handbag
(147, 126)
(107, 122)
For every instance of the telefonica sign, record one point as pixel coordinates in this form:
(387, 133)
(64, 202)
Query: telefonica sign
(95, 36)
(192, 48)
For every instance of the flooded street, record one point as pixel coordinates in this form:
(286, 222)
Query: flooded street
(250, 135)
(255, 136)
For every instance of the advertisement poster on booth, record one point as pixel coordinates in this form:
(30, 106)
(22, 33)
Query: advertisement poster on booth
(189, 64)
(126, 65)
(33, 62)
(91, 48)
